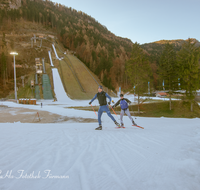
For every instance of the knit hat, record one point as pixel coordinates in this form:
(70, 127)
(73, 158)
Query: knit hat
(101, 87)
(121, 95)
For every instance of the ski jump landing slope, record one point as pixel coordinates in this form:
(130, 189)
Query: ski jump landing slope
(88, 80)
(58, 87)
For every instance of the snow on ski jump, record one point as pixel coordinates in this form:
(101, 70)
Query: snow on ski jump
(58, 87)
(56, 52)
(49, 52)
(50, 58)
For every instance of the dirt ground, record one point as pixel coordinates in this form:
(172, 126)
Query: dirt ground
(23, 115)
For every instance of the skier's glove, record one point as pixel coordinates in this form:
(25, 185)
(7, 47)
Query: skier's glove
(90, 103)
(108, 103)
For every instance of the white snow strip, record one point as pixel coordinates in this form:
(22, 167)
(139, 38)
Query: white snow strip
(13, 112)
(58, 87)
(56, 52)
(50, 58)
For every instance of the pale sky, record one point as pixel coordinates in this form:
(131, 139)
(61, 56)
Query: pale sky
(144, 21)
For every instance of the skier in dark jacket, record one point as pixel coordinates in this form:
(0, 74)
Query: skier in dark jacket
(124, 109)
(101, 96)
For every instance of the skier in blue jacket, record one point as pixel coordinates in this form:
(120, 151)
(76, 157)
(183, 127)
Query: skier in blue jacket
(101, 96)
(124, 109)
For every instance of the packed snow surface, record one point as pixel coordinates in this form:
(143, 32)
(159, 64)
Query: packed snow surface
(165, 155)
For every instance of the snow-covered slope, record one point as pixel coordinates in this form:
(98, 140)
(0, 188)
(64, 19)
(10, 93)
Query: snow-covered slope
(58, 87)
(163, 156)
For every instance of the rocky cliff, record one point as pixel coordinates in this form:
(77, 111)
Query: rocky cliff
(10, 4)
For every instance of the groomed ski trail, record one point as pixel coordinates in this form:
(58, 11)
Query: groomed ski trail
(161, 156)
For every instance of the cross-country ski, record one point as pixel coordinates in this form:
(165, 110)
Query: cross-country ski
(138, 126)
(120, 127)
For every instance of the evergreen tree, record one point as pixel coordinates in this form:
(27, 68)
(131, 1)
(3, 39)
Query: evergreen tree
(168, 69)
(138, 70)
(3, 67)
(3, 60)
(3, 40)
(188, 61)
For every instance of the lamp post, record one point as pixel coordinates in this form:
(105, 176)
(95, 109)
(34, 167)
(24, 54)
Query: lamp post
(14, 53)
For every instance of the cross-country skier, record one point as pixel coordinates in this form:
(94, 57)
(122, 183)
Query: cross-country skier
(124, 109)
(101, 96)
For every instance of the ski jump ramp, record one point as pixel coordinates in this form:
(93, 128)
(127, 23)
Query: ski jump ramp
(56, 52)
(58, 88)
(50, 58)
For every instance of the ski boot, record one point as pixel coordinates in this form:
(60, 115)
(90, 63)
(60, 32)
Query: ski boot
(133, 122)
(99, 128)
(122, 125)
(118, 125)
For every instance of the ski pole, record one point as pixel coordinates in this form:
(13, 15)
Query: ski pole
(114, 111)
(94, 110)
(133, 112)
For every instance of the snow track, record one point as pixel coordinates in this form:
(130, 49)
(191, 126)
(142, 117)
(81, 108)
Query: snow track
(165, 155)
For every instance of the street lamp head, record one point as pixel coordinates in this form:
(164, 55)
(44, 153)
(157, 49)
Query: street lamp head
(13, 53)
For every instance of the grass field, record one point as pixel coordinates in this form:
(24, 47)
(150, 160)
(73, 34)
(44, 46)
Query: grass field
(69, 81)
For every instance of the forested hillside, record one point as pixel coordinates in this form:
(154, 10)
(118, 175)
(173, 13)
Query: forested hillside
(97, 47)
(104, 53)
(155, 50)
